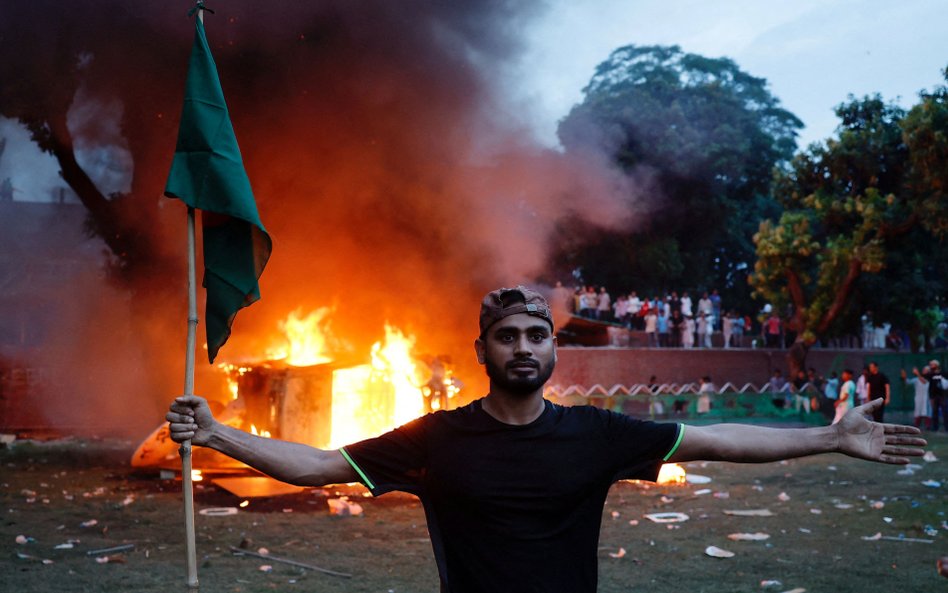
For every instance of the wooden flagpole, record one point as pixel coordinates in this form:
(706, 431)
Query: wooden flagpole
(185, 449)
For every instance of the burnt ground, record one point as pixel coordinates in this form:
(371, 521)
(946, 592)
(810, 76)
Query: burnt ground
(52, 492)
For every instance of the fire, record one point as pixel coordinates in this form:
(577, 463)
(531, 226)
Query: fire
(259, 433)
(308, 340)
(196, 475)
(671, 473)
(373, 398)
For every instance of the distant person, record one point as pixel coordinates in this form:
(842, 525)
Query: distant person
(777, 387)
(847, 394)
(922, 413)
(938, 394)
(800, 396)
(878, 387)
(772, 329)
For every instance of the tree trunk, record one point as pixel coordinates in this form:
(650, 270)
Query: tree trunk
(796, 357)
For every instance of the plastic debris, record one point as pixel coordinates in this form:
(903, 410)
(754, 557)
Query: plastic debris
(748, 537)
(877, 504)
(843, 506)
(716, 552)
(887, 519)
(878, 536)
(702, 491)
(929, 457)
(697, 479)
(783, 496)
(128, 500)
(615, 514)
(932, 483)
(89, 523)
(343, 507)
(33, 558)
(750, 513)
(667, 499)
(618, 554)
(667, 517)
(816, 512)
(804, 530)
(114, 559)
(771, 583)
(634, 522)
(797, 590)
(22, 539)
(929, 530)
(722, 495)
(265, 568)
(218, 511)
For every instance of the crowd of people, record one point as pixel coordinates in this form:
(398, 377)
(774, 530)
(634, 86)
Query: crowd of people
(671, 321)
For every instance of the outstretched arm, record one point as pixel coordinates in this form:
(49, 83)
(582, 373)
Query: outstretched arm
(855, 435)
(191, 418)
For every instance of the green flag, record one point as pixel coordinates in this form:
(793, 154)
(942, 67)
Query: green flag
(208, 174)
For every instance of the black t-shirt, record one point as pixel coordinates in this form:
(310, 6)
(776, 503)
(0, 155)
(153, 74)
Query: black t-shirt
(877, 383)
(514, 508)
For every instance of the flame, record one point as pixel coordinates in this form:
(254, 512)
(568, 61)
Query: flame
(308, 340)
(231, 374)
(671, 473)
(259, 433)
(373, 398)
(196, 475)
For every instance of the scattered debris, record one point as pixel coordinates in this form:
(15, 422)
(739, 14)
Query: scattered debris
(89, 523)
(115, 559)
(265, 568)
(877, 504)
(929, 457)
(239, 552)
(748, 537)
(667, 517)
(932, 483)
(122, 548)
(929, 530)
(771, 583)
(615, 514)
(218, 511)
(878, 536)
(716, 552)
(618, 554)
(843, 506)
(783, 497)
(634, 522)
(33, 558)
(722, 495)
(816, 512)
(750, 513)
(702, 491)
(22, 539)
(797, 590)
(804, 530)
(697, 479)
(128, 500)
(887, 519)
(343, 507)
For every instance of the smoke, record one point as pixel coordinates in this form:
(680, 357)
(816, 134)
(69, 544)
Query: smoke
(398, 184)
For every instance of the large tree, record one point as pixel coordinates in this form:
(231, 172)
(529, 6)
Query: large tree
(866, 202)
(702, 136)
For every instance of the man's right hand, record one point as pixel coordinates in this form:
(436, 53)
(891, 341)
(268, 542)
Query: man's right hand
(190, 418)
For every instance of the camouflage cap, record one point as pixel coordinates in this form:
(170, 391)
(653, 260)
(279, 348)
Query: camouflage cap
(505, 302)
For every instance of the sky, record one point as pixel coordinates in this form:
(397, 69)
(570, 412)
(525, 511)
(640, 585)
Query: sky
(814, 53)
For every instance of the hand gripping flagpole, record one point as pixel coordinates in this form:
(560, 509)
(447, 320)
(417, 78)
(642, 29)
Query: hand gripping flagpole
(185, 449)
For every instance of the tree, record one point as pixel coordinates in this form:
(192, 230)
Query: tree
(704, 137)
(852, 207)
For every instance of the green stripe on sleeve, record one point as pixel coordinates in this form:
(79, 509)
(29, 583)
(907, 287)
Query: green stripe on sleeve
(365, 479)
(681, 434)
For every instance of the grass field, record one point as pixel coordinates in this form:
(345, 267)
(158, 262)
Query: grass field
(822, 509)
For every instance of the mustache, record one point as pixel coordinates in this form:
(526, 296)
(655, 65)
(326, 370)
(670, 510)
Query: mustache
(522, 363)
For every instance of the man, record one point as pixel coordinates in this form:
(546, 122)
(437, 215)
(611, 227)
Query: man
(938, 394)
(877, 386)
(847, 394)
(513, 485)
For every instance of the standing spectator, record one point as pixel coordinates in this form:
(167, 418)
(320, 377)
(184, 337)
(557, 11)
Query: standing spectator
(651, 328)
(878, 386)
(603, 305)
(587, 303)
(862, 387)
(776, 386)
(687, 331)
(923, 404)
(686, 305)
(661, 322)
(800, 396)
(704, 330)
(937, 393)
(635, 306)
(728, 325)
(704, 305)
(622, 311)
(705, 391)
(716, 309)
(772, 327)
(867, 330)
(676, 325)
(846, 394)
(831, 388)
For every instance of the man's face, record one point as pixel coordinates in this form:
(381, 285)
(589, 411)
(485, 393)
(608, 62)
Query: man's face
(873, 368)
(518, 353)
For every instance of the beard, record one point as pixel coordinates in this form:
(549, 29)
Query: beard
(518, 385)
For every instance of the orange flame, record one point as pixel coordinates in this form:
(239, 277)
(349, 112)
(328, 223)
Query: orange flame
(308, 339)
(671, 473)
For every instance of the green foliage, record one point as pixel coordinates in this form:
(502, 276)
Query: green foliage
(707, 136)
(849, 237)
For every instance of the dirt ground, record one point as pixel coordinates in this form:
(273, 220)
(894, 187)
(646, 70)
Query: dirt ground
(84, 493)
